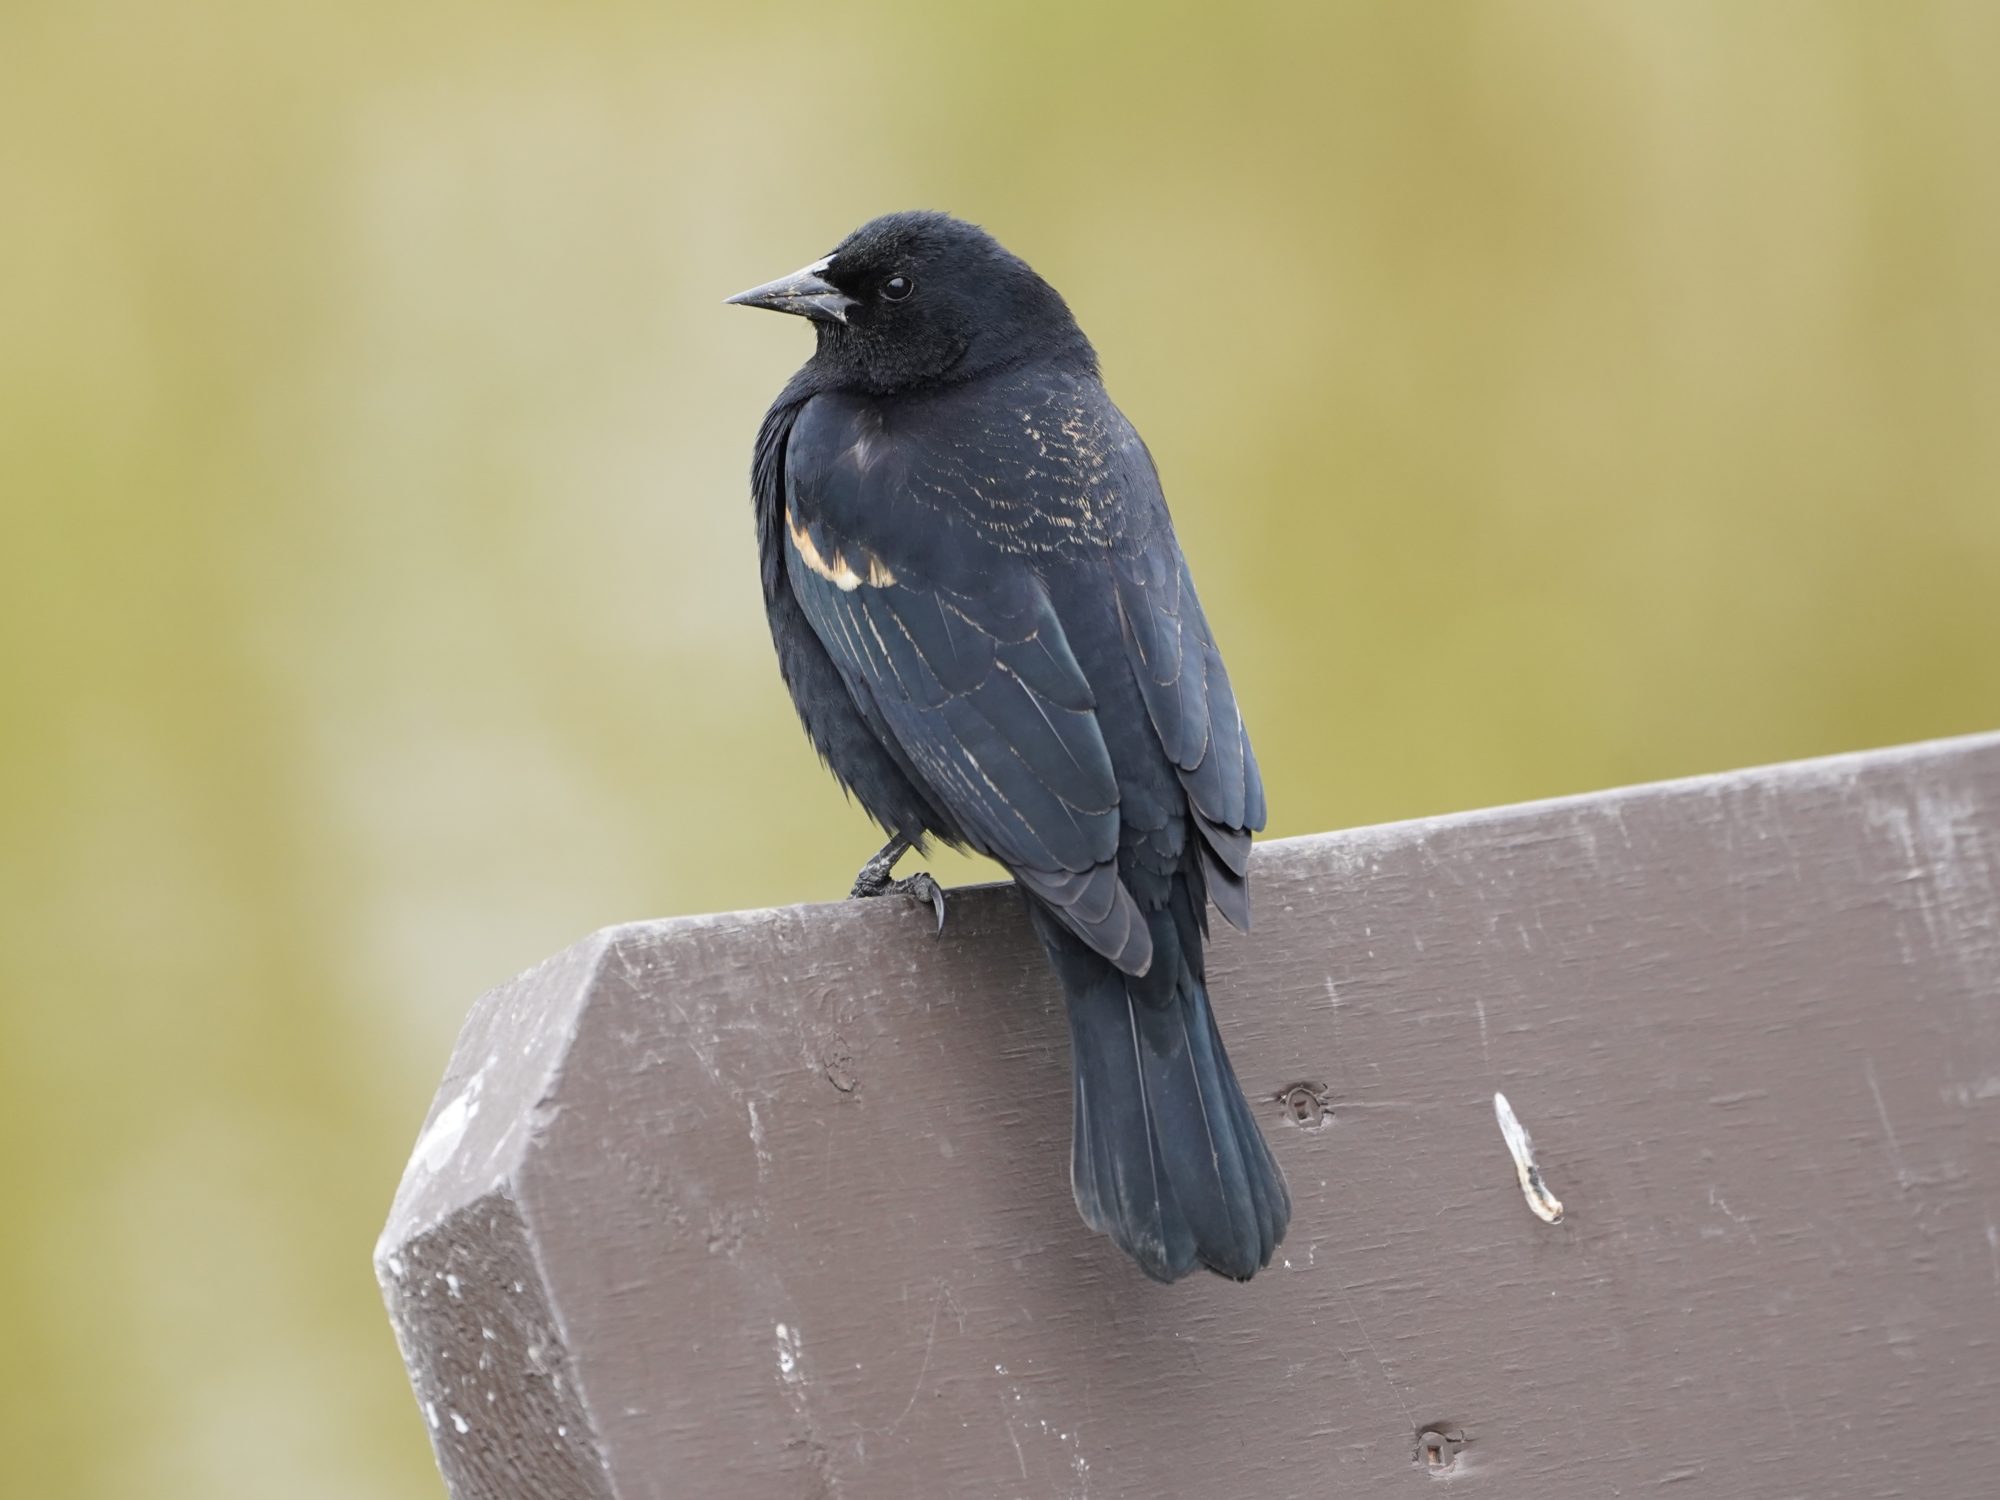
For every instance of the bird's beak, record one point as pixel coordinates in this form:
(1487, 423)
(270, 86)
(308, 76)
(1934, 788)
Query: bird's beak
(803, 292)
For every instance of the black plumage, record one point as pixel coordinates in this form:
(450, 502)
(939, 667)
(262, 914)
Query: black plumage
(991, 635)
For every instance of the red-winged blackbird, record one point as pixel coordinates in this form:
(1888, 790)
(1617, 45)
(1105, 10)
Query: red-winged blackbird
(992, 638)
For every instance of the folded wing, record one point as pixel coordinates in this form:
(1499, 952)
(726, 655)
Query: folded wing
(964, 668)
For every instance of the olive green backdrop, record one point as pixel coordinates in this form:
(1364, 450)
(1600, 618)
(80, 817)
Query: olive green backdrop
(1551, 396)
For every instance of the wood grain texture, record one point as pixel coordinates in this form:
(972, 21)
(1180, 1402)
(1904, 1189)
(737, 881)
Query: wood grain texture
(776, 1203)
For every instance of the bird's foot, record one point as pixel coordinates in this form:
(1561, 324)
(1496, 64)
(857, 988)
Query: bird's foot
(875, 880)
(920, 887)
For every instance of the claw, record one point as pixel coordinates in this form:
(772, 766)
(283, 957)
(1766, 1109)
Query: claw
(926, 889)
(917, 887)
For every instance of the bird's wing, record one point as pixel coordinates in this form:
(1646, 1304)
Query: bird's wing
(1185, 685)
(949, 644)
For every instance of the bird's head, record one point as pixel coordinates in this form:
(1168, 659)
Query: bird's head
(914, 300)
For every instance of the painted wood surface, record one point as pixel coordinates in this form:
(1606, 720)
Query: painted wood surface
(776, 1203)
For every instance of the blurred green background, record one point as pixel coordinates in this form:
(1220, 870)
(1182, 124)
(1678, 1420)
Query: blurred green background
(1552, 396)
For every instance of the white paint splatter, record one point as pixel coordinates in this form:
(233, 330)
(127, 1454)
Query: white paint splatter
(436, 1145)
(791, 1352)
(452, 1284)
(460, 1423)
(1542, 1203)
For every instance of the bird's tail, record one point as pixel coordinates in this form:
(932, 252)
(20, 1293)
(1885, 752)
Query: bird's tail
(1166, 1157)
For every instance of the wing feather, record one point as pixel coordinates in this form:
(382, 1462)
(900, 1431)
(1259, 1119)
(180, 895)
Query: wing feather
(1193, 708)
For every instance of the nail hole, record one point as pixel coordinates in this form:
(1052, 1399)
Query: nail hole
(1438, 1447)
(1305, 1105)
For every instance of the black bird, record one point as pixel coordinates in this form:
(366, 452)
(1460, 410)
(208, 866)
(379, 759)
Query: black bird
(992, 638)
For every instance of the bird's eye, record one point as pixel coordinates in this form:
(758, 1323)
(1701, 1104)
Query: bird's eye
(897, 288)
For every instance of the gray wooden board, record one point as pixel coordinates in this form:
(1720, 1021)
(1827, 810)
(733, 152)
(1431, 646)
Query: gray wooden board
(777, 1203)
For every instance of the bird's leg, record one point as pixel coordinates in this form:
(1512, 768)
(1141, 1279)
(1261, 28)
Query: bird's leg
(874, 879)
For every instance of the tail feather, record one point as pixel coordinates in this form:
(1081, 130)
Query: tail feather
(1166, 1157)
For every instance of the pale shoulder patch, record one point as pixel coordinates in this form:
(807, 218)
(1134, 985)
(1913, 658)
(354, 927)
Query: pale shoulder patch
(836, 569)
